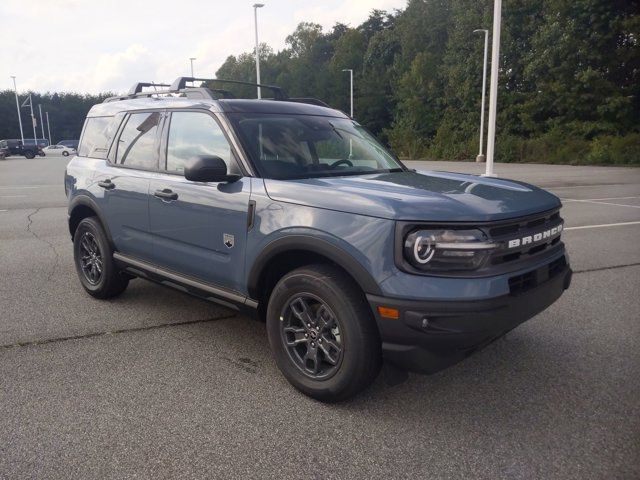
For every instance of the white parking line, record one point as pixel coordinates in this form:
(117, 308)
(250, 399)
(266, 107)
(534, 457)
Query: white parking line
(599, 203)
(603, 225)
(11, 196)
(587, 186)
(28, 186)
(598, 199)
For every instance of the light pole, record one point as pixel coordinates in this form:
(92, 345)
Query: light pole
(48, 126)
(191, 59)
(33, 120)
(480, 157)
(41, 122)
(493, 90)
(351, 86)
(256, 6)
(15, 89)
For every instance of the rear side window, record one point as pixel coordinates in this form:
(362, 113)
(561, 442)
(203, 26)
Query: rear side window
(97, 136)
(137, 142)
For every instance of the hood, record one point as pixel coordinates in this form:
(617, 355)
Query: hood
(417, 196)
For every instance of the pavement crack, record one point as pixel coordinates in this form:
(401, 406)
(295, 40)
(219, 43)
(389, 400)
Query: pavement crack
(111, 332)
(51, 245)
(613, 267)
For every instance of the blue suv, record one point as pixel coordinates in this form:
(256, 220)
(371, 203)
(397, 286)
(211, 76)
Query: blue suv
(292, 212)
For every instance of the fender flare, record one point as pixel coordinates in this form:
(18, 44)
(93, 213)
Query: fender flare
(86, 201)
(315, 245)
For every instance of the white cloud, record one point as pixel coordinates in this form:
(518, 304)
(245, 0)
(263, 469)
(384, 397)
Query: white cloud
(94, 46)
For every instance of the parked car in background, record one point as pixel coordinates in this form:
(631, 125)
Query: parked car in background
(29, 149)
(69, 143)
(59, 150)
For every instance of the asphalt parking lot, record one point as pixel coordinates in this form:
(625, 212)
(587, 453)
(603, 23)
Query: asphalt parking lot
(157, 384)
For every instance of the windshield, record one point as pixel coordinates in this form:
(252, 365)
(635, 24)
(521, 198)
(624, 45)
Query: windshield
(306, 146)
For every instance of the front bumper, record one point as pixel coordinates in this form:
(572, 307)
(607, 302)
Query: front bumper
(430, 335)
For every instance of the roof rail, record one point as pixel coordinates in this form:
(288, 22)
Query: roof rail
(181, 83)
(309, 100)
(179, 86)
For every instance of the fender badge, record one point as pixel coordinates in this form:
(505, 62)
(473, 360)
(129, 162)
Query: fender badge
(228, 240)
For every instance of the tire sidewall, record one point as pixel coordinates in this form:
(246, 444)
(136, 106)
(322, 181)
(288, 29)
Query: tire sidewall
(353, 351)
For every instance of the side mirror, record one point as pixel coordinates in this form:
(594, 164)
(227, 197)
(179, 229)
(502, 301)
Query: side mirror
(208, 169)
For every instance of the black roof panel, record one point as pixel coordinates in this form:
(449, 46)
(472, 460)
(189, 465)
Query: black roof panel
(276, 106)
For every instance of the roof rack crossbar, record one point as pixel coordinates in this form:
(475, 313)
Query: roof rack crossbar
(137, 87)
(181, 83)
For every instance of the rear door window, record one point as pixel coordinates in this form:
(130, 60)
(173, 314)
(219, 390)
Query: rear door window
(137, 145)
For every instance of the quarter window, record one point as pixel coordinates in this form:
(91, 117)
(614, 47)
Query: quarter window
(136, 145)
(97, 136)
(193, 134)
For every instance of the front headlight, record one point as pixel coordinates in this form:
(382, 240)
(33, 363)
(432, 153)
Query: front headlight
(442, 250)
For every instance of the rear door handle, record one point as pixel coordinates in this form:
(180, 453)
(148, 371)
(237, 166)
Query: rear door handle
(166, 194)
(107, 184)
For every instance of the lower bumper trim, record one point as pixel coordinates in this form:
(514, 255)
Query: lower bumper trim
(429, 335)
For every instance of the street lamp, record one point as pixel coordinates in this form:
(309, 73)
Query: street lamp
(191, 59)
(351, 87)
(41, 122)
(480, 157)
(15, 89)
(493, 89)
(256, 6)
(48, 126)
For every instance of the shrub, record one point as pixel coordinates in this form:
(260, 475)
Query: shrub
(618, 150)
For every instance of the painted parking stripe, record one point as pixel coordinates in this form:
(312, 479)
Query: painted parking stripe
(600, 203)
(11, 196)
(603, 225)
(587, 186)
(29, 186)
(600, 199)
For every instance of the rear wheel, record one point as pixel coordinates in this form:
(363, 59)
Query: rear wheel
(322, 333)
(94, 261)
(29, 154)
(65, 153)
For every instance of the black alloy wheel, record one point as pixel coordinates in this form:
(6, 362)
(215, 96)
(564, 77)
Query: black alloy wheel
(90, 258)
(310, 332)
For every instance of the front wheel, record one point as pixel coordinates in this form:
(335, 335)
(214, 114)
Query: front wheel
(93, 257)
(322, 333)
(29, 155)
(65, 154)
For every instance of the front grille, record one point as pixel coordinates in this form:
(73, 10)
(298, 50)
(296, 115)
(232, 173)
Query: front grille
(525, 282)
(519, 229)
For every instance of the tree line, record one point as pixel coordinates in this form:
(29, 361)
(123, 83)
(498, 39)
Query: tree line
(66, 114)
(569, 87)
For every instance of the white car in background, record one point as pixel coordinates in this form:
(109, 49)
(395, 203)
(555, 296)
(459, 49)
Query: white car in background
(59, 150)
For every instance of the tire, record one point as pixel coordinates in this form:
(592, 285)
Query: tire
(349, 358)
(29, 155)
(65, 153)
(100, 277)
(42, 154)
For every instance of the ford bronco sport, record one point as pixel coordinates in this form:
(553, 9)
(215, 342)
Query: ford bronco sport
(291, 211)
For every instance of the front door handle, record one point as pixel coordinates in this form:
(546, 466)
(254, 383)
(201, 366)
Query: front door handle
(107, 184)
(166, 194)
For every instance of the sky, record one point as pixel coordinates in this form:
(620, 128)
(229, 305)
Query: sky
(91, 46)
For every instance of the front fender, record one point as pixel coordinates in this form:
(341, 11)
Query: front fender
(313, 241)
